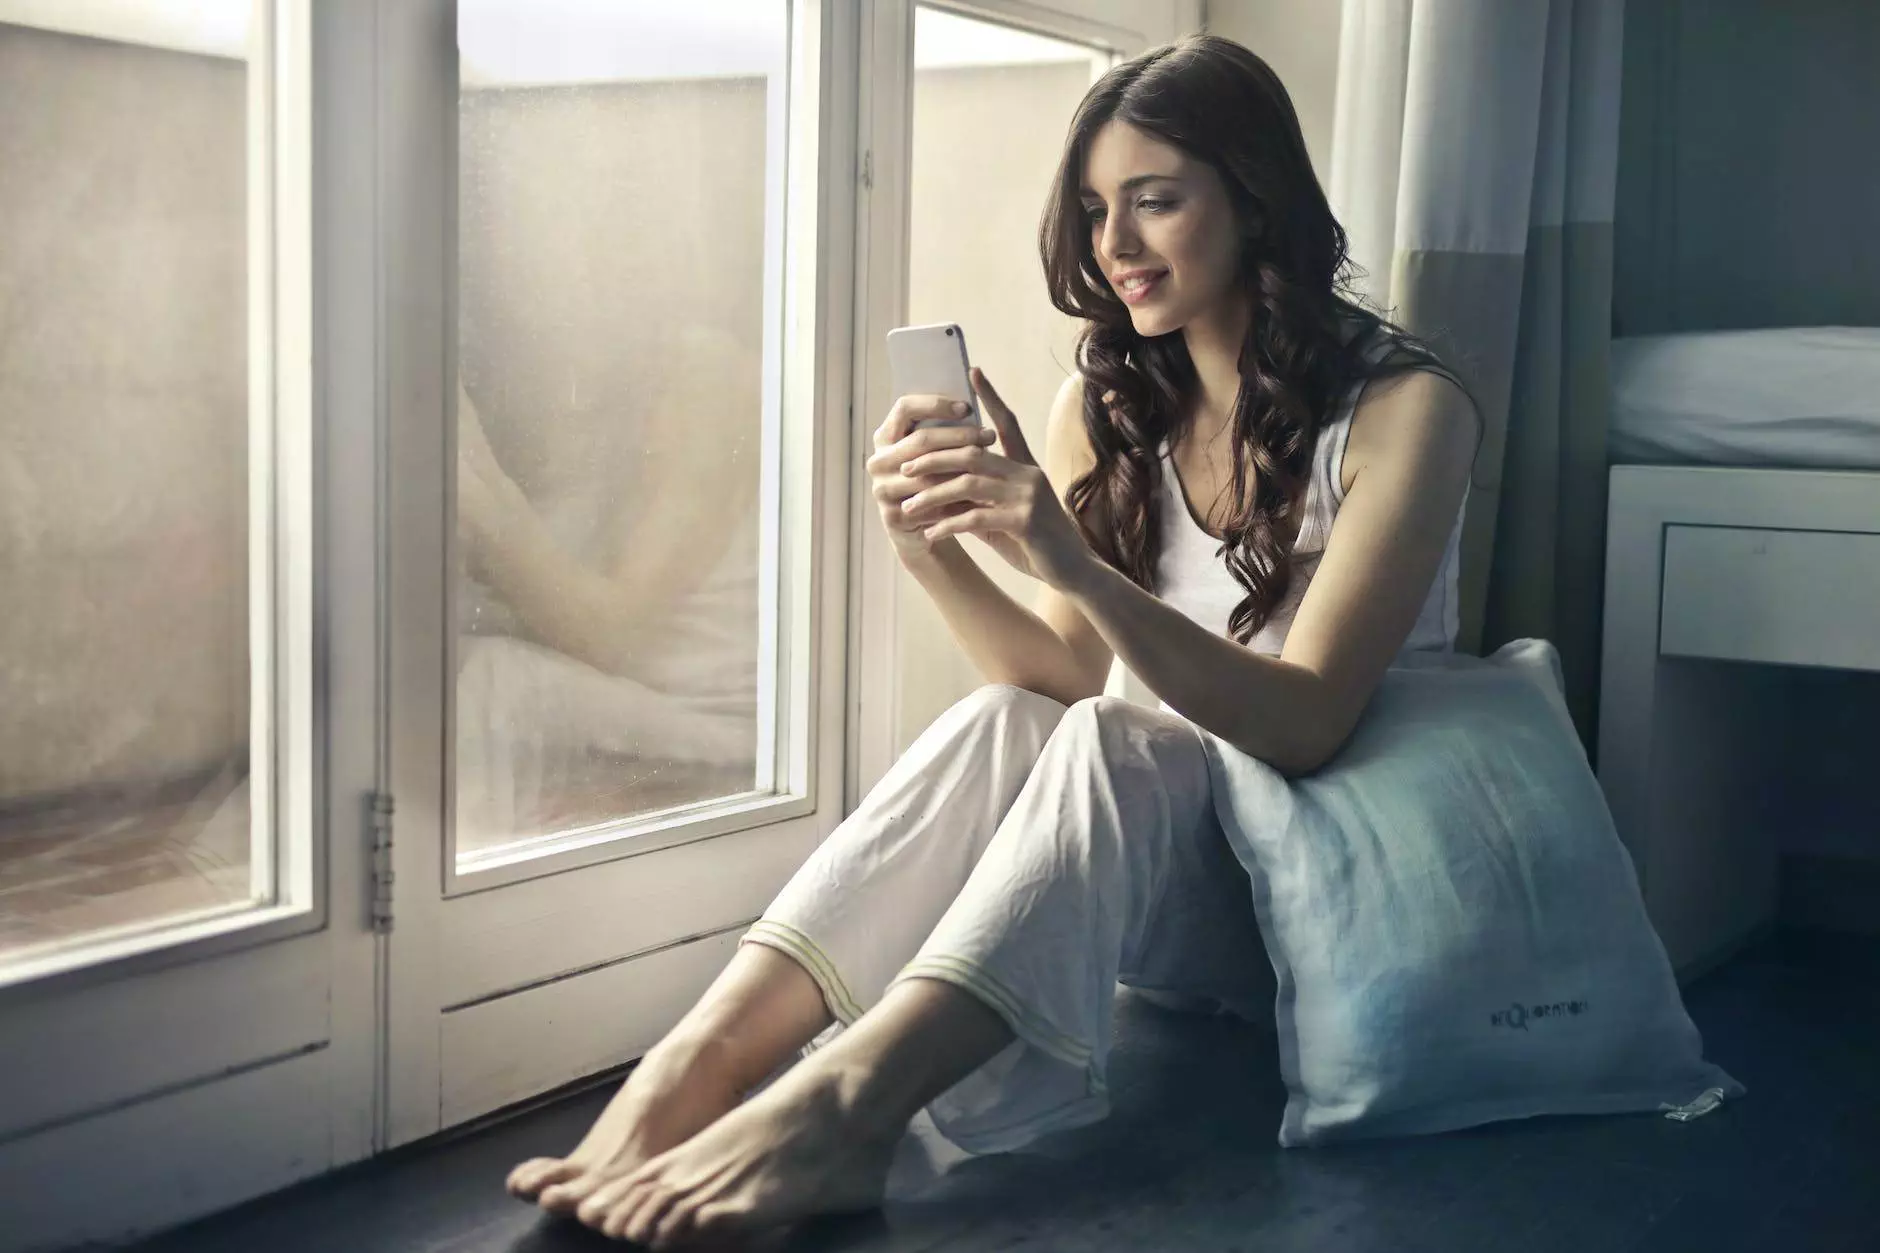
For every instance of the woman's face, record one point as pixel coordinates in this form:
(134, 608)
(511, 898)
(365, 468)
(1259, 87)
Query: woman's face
(1161, 227)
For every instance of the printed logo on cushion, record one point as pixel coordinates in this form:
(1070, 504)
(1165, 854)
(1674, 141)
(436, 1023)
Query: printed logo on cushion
(1518, 1016)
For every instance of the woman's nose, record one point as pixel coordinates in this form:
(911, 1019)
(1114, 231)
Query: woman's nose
(1118, 240)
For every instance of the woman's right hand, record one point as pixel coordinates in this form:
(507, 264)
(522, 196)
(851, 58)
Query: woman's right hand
(897, 442)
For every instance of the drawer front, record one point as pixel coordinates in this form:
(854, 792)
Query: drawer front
(1804, 598)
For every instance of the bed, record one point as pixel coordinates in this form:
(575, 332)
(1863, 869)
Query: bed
(1806, 398)
(1743, 526)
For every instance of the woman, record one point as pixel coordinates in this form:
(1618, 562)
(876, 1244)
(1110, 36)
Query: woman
(955, 944)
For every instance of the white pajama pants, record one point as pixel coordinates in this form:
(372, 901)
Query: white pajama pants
(1034, 856)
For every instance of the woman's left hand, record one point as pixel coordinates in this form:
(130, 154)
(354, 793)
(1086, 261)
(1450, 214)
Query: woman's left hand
(1005, 500)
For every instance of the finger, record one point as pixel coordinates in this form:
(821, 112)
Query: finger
(891, 459)
(896, 489)
(895, 426)
(948, 413)
(934, 438)
(973, 459)
(883, 463)
(910, 410)
(967, 487)
(943, 410)
(895, 520)
(884, 471)
(1011, 439)
(975, 521)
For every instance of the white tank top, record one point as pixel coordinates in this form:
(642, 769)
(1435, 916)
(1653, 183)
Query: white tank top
(1192, 573)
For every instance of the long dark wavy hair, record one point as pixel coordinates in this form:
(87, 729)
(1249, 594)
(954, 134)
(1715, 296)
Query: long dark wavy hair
(1306, 343)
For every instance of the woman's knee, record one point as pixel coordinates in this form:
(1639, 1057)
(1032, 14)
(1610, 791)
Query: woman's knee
(1110, 729)
(1100, 717)
(996, 719)
(1007, 702)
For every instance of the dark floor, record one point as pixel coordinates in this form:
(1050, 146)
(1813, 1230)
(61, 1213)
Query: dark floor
(1188, 1160)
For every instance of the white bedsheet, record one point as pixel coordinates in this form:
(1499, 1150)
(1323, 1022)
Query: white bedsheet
(1793, 396)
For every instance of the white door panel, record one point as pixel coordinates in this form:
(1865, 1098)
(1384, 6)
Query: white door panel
(128, 1039)
(509, 1048)
(618, 630)
(509, 939)
(169, 1158)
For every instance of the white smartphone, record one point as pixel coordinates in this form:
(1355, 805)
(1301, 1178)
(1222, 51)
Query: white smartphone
(932, 361)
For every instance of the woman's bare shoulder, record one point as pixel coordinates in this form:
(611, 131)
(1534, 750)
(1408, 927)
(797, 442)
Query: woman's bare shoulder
(1410, 415)
(1067, 443)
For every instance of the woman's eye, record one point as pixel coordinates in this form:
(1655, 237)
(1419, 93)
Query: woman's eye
(1094, 214)
(1149, 204)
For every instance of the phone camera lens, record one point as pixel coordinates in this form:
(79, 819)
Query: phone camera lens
(949, 332)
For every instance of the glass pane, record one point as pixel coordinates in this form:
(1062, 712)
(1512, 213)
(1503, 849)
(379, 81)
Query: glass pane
(973, 259)
(619, 223)
(124, 469)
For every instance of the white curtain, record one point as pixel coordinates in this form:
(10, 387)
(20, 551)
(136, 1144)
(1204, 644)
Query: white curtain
(1474, 154)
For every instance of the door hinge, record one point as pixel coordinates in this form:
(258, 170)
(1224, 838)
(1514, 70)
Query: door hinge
(382, 875)
(868, 169)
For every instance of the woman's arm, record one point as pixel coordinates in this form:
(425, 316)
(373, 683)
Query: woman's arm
(1296, 710)
(1054, 651)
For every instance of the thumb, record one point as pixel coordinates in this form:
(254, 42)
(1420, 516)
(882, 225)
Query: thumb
(1011, 439)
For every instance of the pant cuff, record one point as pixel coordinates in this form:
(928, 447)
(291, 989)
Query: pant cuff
(971, 977)
(805, 952)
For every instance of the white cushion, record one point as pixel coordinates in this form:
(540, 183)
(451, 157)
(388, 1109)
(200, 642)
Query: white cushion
(1457, 931)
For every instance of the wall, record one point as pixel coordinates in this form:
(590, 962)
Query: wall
(1748, 189)
(1299, 39)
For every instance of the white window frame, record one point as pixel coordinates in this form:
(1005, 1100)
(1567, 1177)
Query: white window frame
(284, 839)
(795, 542)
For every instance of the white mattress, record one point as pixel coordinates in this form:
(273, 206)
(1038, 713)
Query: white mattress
(1799, 397)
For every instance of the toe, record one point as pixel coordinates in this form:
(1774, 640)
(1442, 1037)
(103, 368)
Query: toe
(713, 1221)
(567, 1196)
(640, 1212)
(614, 1225)
(675, 1226)
(532, 1176)
(597, 1205)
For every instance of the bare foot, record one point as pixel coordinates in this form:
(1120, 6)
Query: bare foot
(800, 1147)
(674, 1093)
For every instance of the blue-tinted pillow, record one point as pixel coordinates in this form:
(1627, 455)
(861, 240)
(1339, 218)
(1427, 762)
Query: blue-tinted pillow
(1457, 931)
